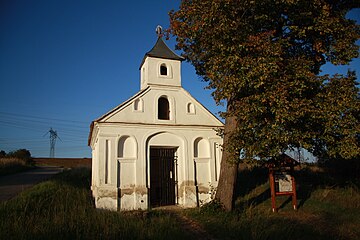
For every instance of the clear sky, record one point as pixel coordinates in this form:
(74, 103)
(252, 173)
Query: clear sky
(64, 63)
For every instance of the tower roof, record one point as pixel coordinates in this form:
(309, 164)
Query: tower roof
(161, 50)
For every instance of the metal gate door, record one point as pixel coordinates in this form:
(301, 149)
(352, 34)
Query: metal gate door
(162, 176)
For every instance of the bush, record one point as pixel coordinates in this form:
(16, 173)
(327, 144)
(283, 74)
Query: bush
(345, 169)
(15, 161)
(12, 165)
(22, 154)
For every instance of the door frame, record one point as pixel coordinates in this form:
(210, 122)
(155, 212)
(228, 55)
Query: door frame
(174, 177)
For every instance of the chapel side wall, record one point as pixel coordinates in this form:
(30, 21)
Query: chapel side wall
(127, 172)
(216, 153)
(94, 170)
(127, 168)
(186, 186)
(131, 179)
(203, 167)
(141, 190)
(105, 189)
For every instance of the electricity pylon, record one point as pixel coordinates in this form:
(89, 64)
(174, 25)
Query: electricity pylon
(53, 137)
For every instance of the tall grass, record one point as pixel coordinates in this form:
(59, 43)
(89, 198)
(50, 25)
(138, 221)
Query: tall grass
(62, 208)
(327, 211)
(13, 165)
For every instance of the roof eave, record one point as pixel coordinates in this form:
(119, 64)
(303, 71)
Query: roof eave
(161, 50)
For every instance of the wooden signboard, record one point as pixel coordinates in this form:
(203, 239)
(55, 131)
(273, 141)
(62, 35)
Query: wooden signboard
(282, 181)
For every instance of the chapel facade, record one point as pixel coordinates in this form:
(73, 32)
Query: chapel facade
(158, 148)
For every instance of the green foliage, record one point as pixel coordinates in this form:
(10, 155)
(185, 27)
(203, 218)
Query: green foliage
(264, 58)
(339, 118)
(63, 208)
(213, 206)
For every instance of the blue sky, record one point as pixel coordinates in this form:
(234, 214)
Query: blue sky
(64, 63)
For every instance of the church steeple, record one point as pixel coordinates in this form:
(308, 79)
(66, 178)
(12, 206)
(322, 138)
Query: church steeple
(160, 66)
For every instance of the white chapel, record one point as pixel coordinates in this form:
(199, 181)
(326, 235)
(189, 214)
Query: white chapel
(158, 148)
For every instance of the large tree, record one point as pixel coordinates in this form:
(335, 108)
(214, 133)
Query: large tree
(263, 59)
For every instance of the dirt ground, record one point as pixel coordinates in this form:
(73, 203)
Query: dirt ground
(63, 162)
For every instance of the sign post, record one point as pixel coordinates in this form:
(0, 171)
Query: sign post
(282, 181)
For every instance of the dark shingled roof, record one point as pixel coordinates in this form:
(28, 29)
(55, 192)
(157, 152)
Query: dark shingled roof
(161, 50)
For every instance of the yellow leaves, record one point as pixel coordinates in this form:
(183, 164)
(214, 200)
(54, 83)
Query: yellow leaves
(326, 9)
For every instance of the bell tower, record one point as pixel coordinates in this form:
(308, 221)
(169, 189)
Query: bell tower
(160, 66)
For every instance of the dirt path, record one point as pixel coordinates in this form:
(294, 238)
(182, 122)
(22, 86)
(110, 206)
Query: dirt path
(11, 185)
(193, 227)
(189, 225)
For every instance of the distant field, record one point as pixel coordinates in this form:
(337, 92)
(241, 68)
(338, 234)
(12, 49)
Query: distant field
(63, 162)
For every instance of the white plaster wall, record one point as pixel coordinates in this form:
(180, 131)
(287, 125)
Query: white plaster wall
(150, 72)
(127, 173)
(178, 100)
(130, 176)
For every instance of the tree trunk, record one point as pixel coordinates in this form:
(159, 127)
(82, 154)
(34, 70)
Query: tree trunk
(228, 169)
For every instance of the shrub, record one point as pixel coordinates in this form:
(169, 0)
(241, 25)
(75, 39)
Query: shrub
(22, 154)
(15, 161)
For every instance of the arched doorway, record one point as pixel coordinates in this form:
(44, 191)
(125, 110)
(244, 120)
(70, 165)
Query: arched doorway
(163, 154)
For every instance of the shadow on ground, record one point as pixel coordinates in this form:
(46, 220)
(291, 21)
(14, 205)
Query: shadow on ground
(308, 179)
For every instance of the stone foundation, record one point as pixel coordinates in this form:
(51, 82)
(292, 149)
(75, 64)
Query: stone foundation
(136, 198)
(106, 197)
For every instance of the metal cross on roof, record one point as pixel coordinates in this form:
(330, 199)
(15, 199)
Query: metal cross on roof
(159, 31)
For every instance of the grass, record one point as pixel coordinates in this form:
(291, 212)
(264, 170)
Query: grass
(13, 165)
(328, 209)
(62, 208)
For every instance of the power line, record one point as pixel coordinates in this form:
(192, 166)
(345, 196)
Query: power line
(24, 121)
(74, 134)
(55, 119)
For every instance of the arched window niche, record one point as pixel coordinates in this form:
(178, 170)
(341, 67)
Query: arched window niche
(127, 148)
(201, 148)
(190, 108)
(163, 70)
(138, 105)
(163, 108)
